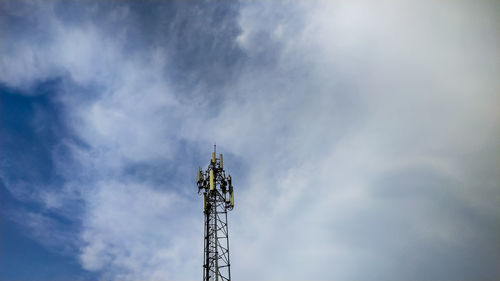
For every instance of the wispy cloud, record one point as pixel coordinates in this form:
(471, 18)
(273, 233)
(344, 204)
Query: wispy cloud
(362, 136)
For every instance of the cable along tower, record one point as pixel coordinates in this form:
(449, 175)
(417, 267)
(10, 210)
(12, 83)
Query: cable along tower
(218, 198)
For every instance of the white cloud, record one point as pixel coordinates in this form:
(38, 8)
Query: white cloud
(134, 231)
(361, 92)
(367, 131)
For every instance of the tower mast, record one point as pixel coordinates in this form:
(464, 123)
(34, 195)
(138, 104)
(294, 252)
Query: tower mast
(218, 198)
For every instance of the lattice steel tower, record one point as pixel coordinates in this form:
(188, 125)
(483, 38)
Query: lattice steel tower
(218, 198)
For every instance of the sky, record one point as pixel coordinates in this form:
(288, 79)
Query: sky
(362, 138)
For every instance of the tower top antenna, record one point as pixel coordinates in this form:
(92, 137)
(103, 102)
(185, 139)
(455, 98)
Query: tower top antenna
(218, 198)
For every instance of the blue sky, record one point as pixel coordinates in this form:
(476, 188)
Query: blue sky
(362, 138)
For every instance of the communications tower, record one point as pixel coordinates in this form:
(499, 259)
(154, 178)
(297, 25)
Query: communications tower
(218, 198)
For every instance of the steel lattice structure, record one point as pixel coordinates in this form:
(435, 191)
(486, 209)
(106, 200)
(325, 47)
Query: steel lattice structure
(218, 198)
